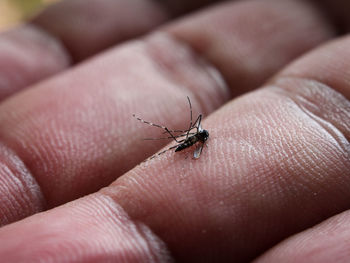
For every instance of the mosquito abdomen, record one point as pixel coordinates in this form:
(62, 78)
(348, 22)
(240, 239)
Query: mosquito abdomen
(189, 142)
(181, 147)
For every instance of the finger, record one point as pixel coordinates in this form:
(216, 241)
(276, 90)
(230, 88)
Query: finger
(278, 162)
(28, 55)
(96, 230)
(326, 242)
(248, 53)
(87, 27)
(75, 133)
(69, 31)
(329, 66)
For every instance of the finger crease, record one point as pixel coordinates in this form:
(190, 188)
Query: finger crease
(21, 194)
(178, 62)
(318, 112)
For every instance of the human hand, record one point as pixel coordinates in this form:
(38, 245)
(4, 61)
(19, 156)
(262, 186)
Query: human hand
(277, 160)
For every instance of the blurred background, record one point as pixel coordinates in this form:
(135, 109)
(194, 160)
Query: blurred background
(13, 12)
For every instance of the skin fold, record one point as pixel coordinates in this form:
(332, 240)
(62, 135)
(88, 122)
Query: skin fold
(270, 77)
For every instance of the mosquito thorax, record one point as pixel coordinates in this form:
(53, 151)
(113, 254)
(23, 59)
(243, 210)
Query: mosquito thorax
(203, 135)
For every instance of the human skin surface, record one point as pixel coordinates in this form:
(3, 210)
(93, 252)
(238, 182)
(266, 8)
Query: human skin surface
(271, 78)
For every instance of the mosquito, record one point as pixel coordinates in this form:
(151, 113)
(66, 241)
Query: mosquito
(195, 134)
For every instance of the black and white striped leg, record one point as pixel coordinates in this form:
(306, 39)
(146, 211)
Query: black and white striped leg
(156, 125)
(149, 123)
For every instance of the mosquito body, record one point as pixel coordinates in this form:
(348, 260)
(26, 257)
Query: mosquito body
(193, 135)
(201, 136)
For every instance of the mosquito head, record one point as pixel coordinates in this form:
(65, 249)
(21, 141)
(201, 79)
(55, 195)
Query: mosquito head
(203, 135)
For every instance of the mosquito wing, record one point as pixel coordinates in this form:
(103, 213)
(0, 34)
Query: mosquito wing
(198, 151)
(200, 128)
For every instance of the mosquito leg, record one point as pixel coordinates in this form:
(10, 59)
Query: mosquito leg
(182, 131)
(160, 126)
(150, 123)
(189, 128)
(164, 138)
(172, 136)
(197, 123)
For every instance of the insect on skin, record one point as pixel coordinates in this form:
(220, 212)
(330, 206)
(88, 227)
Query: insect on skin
(193, 135)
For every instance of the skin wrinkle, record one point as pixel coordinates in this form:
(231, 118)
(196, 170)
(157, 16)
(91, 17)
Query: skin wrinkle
(325, 242)
(54, 43)
(331, 69)
(310, 108)
(342, 150)
(335, 138)
(119, 21)
(243, 57)
(7, 211)
(15, 201)
(176, 70)
(269, 131)
(334, 134)
(275, 152)
(22, 186)
(150, 243)
(114, 216)
(40, 40)
(19, 54)
(155, 245)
